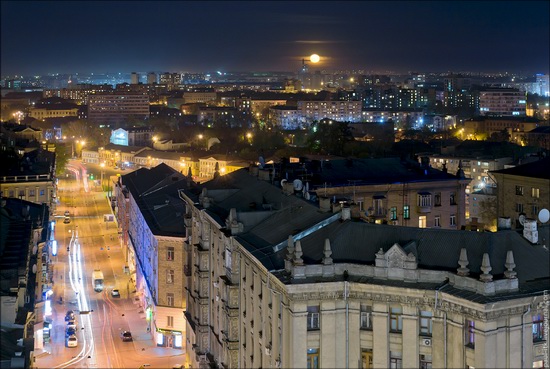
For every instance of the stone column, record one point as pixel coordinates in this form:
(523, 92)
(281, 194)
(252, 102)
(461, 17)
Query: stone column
(380, 335)
(515, 342)
(438, 340)
(332, 346)
(485, 345)
(410, 337)
(298, 338)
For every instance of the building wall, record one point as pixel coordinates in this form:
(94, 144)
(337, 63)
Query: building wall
(529, 205)
(37, 188)
(112, 108)
(244, 316)
(43, 113)
(342, 111)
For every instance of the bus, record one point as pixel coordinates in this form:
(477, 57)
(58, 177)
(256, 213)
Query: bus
(97, 280)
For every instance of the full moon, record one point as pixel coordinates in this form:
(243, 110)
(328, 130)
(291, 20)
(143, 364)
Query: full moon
(314, 58)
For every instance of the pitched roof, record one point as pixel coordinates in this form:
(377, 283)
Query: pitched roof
(538, 169)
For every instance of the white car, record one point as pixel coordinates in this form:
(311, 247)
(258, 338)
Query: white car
(71, 341)
(67, 213)
(115, 293)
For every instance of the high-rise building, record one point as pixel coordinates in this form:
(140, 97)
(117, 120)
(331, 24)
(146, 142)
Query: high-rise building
(505, 102)
(151, 78)
(134, 79)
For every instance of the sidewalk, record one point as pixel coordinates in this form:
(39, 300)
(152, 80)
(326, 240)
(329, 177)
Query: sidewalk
(143, 341)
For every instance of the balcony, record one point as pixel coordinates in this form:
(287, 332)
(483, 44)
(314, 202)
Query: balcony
(423, 209)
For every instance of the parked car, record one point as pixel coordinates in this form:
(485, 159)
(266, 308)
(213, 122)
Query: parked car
(70, 316)
(126, 335)
(72, 323)
(115, 293)
(67, 213)
(67, 220)
(71, 341)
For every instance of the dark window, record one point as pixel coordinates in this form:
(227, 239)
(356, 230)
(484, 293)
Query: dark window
(519, 190)
(396, 319)
(312, 318)
(366, 317)
(452, 199)
(470, 333)
(437, 199)
(538, 328)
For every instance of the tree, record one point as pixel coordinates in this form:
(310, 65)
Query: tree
(488, 212)
(61, 158)
(330, 137)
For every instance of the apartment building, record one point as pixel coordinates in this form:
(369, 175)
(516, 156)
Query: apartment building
(200, 96)
(478, 128)
(222, 164)
(523, 190)
(342, 111)
(52, 112)
(117, 107)
(504, 102)
(151, 216)
(286, 117)
(284, 284)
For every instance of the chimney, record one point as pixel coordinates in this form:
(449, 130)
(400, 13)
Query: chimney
(324, 204)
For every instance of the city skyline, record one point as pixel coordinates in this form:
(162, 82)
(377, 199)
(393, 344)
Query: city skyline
(88, 37)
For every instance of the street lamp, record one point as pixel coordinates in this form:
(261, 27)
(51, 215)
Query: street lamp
(102, 165)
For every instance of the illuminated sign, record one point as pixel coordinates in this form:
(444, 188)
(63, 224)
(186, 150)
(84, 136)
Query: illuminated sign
(54, 247)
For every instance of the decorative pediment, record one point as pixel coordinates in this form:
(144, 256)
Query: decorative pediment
(395, 258)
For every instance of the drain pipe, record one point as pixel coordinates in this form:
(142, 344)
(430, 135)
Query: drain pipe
(523, 334)
(444, 320)
(346, 293)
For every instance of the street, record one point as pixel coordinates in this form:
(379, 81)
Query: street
(85, 244)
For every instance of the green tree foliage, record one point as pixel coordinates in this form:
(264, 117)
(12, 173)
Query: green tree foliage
(62, 153)
(84, 130)
(329, 137)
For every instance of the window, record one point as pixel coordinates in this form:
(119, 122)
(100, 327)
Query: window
(366, 359)
(32, 192)
(395, 360)
(422, 221)
(519, 207)
(437, 199)
(228, 258)
(437, 221)
(312, 318)
(452, 220)
(170, 276)
(519, 190)
(41, 192)
(425, 323)
(21, 193)
(424, 199)
(425, 361)
(170, 321)
(534, 210)
(470, 333)
(366, 317)
(170, 299)
(312, 358)
(396, 319)
(452, 198)
(170, 254)
(538, 328)
(535, 192)
(406, 212)
(12, 193)
(393, 213)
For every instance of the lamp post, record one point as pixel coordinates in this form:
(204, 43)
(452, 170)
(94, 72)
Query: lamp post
(102, 165)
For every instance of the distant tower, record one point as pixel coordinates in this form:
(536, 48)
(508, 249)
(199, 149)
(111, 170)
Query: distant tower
(151, 78)
(305, 68)
(134, 80)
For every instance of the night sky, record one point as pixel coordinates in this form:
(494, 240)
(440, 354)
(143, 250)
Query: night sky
(108, 36)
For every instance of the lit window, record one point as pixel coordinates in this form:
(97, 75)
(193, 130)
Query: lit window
(170, 254)
(312, 358)
(393, 213)
(452, 220)
(406, 212)
(535, 193)
(538, 328)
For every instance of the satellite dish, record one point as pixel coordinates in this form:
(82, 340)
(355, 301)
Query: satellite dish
(298, 185)
(283, 181)
(307, 196)
(522, 219)
(544, 215)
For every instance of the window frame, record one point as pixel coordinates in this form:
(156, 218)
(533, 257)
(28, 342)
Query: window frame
(425, 329)
(406, 212)
(170, 253)
(313, 357)
(519, 190)
(535, 192)
(452, 220)
(170, 300)
(365, 317)
(538, 328)
(170, 276)
(452, 198)
(437, 199)
(396, 319)
(313, 318)
(470, 333)
(169, 321)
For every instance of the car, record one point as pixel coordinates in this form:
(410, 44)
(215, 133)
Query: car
(71, 341)
(126, 336)
(70, 316)
(115, 293)
(72, 323)
(67, 220)
(67, 213)
(70, 332)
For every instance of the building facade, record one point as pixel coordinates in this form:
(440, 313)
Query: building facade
(337, 293)
(116, 108)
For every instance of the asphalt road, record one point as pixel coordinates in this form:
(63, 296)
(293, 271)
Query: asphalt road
(85, 244)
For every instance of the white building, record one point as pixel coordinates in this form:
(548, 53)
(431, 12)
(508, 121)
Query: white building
(505, 102)
(281, 284)
(342, 111)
